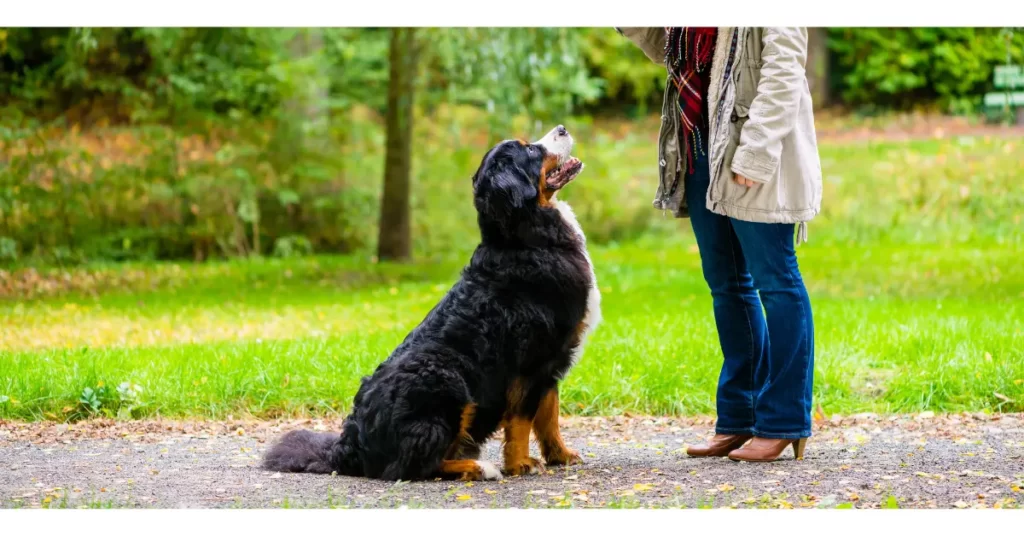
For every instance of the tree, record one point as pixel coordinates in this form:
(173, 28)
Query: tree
(394, 241)
(817, 66)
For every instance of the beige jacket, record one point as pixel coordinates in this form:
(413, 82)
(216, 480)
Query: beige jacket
(761, 126)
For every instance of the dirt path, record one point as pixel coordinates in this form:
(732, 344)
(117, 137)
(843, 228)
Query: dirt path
(925, 461)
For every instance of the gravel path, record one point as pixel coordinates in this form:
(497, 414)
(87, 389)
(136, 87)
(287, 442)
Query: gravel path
(864, 461)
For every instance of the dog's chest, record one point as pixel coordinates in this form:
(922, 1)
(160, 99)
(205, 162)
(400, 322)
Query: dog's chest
(592, 317)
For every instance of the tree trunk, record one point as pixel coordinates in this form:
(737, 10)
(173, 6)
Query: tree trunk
(817, 66)
(308, 107)
(394, 241)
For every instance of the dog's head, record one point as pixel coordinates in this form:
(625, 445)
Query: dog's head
(516, 177)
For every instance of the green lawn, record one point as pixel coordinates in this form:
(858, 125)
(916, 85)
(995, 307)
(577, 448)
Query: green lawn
(915, 268)
(898, 329)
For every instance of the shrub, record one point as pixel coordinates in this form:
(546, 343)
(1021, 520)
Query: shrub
(885, 68)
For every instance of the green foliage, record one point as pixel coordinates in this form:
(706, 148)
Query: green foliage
(122, 402)
(885, 68)
(508, 71)
(629, 77)
(160, 74)
(158, 143)
(156, 192)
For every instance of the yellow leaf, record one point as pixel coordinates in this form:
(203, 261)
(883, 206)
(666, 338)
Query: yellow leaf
(464, 498)
(490, 491)
(643, 487)
(726, 487)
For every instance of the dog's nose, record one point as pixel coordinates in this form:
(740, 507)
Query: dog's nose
(560, 130)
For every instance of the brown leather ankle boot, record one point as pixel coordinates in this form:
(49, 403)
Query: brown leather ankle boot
(720, 445)
(768, 450)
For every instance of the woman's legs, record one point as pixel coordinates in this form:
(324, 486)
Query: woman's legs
(738, 314)
(783, 401)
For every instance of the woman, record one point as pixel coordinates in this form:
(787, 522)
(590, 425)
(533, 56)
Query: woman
(738, 156)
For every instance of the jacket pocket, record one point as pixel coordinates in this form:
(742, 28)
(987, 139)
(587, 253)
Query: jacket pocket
(748, 74)
(668, 152)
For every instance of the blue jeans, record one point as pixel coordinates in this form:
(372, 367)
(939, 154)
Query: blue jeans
(764, 388)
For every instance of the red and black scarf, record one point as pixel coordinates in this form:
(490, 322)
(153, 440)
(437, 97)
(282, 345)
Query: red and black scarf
(688, 53)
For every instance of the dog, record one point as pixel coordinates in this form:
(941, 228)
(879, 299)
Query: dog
(490, 354)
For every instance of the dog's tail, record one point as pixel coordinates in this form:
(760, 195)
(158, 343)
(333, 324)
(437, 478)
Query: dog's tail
(305, 451)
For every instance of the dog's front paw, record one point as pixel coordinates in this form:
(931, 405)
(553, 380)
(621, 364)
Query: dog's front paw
(565, 457)
(488, 471)
(526, 466)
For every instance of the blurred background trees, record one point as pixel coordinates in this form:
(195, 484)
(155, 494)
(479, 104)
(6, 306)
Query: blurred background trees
(150, 143)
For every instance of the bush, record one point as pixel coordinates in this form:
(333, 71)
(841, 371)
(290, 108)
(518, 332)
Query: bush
(157, 193)
(884, 68)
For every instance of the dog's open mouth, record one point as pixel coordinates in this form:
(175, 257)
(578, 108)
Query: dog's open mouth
(565, 173)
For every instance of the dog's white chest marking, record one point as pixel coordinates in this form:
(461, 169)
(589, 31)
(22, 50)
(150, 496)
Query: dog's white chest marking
(593, 315)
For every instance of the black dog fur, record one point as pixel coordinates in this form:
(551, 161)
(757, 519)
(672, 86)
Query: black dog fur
(492, 349)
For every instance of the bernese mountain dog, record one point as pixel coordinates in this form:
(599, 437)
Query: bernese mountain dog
(490, 355)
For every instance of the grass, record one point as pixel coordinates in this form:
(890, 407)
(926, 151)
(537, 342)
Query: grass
(898, 329)
(914, 268)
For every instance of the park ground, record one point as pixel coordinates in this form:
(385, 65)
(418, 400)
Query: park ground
(864, 461)
(184, 371)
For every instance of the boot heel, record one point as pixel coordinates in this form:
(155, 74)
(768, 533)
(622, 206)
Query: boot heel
(798, 448)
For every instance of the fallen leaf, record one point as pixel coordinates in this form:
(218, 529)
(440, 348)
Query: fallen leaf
(960, 504)
(490, 491)
(464, 498)
(726, 487)
(643, 487)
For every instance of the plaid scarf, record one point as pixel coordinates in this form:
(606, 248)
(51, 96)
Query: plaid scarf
(688, 54)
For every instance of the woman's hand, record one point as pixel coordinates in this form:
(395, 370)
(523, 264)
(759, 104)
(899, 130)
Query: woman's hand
(743, 181)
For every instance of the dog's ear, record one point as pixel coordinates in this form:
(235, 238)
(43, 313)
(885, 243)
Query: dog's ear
(503, 190)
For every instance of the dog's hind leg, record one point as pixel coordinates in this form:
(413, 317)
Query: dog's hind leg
(464, 447)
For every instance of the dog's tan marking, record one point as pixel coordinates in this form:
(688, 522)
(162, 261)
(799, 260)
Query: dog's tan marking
(545, 427)
(464, 446)
(545, 194)
(516, 449)
(469, 470)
